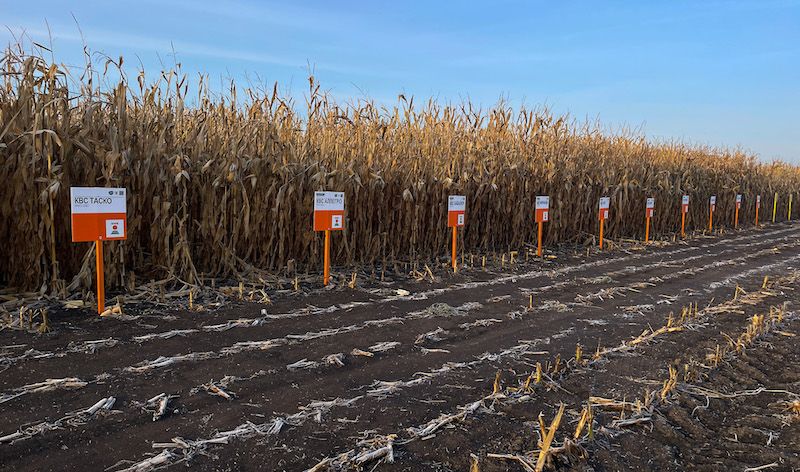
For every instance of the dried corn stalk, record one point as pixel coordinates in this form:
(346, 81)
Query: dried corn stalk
(75, 418)
(240, 172)
(49, 385)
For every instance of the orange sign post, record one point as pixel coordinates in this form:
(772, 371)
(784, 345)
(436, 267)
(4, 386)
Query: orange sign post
(649, 208)
(684, 211)
(328, 216)
(736, 214)
(711, 207)
(456, 211)
(605, 203)
(98, 214)
(758, 205)
(542, 215)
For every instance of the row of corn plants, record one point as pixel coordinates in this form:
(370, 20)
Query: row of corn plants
(221, 185)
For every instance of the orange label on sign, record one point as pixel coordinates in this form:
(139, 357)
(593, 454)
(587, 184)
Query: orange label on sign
(542, 216)
(455, 218)
(98, 214)
(456, 210)
(328, 211)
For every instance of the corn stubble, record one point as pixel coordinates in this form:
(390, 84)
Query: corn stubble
(222, 186)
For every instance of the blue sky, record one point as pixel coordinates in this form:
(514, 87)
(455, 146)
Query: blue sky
(708, 72)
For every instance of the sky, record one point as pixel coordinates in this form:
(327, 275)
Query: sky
(719, 73)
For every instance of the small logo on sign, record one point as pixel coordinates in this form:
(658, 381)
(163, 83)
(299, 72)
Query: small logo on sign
(460, 219)
(115, 228)
(336, 221)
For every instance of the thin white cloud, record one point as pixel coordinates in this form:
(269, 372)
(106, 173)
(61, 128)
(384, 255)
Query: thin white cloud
(289, 15)
(162, 45)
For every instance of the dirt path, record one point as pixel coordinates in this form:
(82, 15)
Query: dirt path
(432, 352)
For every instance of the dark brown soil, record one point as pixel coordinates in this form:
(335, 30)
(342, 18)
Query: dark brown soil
(600, 299)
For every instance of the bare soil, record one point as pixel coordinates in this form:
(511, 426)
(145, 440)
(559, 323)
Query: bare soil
(453, 336)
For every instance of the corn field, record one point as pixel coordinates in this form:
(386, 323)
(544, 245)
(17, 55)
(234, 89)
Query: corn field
(222, 186)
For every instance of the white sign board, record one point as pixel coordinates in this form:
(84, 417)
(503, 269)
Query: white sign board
(328, 211)
(739, 198)
(328, 201)
(685, 200)
(542, 213)
(85, 200)
(605, 203)
(98, 213)
(456, 209)
(651, 203)
(542, 202)
(713, 199)
(457, 203)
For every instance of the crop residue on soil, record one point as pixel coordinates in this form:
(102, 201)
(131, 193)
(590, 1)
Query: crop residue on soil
(680, 357)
